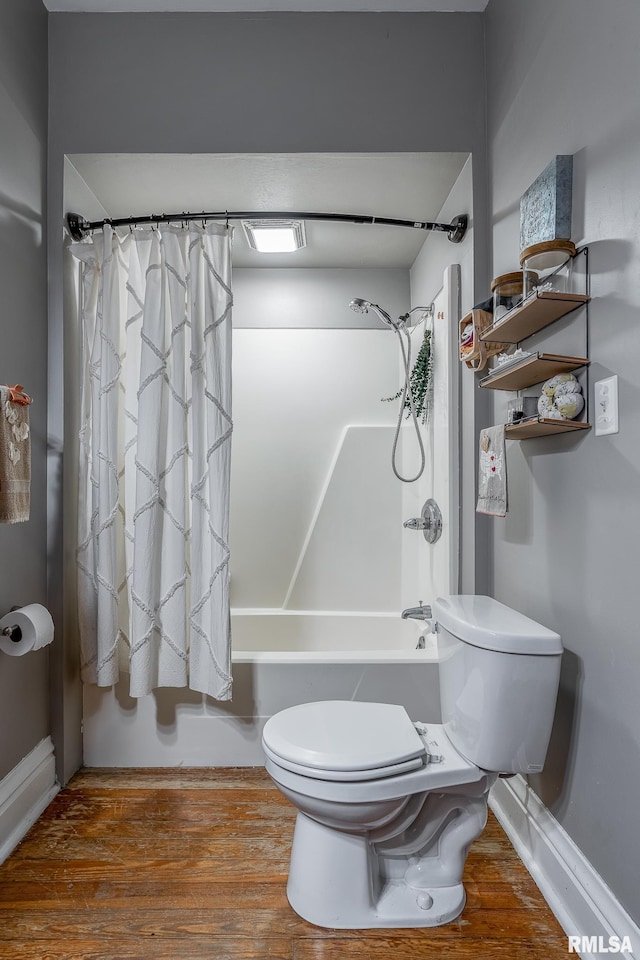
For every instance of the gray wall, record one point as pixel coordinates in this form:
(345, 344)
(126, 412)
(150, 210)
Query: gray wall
(211, 83)
(24, 697)
(248, 83)
(563, 77)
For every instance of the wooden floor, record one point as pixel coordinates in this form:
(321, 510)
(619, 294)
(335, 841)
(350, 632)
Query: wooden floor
(184, 865)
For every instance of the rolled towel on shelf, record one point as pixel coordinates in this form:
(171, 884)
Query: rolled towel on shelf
(569, 405)
(561, 398)
(561, 383)
(567, 387)
(547, 410)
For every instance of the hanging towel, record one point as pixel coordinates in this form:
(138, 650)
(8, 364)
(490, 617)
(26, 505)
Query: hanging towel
(492, 485)
(15, 455)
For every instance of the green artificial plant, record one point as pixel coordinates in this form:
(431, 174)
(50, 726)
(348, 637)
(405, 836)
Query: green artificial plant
(419, 381)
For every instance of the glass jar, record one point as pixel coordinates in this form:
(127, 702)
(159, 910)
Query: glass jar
(507, 292)
(522, 408)
(551, 262)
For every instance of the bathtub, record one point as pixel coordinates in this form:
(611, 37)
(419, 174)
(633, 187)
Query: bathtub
(317, 636)
(281, 658)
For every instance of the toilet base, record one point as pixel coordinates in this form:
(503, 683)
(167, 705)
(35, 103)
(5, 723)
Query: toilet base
(334, 883)
(398, 906)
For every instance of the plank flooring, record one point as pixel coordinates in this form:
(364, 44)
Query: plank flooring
(188, 865)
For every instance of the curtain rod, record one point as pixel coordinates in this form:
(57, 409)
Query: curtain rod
(79, 228)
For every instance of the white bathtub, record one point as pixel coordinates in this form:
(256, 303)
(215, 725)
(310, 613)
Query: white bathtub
(305, 636)
(281, 658)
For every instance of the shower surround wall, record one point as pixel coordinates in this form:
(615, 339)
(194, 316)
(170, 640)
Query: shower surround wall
(321, 530)
(301, 107)
(439, 565)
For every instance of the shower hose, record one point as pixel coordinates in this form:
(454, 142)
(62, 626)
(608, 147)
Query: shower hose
(406, 392)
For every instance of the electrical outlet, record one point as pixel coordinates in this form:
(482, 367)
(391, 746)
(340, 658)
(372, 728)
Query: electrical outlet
(606, 406)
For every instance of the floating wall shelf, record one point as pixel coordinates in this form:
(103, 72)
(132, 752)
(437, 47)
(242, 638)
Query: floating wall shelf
(540, 427)
(538, 310)
(531, 370)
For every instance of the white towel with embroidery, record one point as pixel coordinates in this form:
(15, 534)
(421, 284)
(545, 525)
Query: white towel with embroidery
(492, 480)
(15, 459)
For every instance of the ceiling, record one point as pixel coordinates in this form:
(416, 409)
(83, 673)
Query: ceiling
(411, 186)
(242, 6)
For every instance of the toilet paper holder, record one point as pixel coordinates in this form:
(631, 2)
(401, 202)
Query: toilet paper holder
(15, 632)
(25, 629)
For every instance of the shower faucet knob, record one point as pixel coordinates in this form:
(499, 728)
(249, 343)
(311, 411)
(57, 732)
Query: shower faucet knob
(429, 521)
(416, 523)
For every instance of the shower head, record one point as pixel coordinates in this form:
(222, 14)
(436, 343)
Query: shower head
(359, 306)
(363, 306)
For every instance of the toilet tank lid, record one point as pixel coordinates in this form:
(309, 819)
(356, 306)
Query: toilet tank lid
(484, 622)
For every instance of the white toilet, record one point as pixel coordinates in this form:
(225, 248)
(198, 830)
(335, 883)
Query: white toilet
(388, 808)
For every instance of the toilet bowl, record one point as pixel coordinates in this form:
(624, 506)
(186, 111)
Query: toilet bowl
(388, 808)
(369, 840)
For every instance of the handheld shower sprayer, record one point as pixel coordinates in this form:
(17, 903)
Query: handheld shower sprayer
(358, 305)
(399, 326)
(363, 306)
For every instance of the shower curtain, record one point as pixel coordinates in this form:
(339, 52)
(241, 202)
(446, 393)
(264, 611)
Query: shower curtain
(155, 448)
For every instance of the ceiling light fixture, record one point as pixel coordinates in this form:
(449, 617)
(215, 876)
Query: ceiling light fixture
(275, 236)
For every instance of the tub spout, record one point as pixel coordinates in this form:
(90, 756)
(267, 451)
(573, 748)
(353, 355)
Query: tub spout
(417, 613)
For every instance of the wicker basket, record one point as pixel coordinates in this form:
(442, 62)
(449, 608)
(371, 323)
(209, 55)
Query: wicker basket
(477, 353)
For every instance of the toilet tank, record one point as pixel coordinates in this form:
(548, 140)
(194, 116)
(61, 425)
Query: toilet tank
(499, 674)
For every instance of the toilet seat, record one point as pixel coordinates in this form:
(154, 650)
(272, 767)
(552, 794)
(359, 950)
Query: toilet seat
(344, 740)
(452, 770)
(344, 776)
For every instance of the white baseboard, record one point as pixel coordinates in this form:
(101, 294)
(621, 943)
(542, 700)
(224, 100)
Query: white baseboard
(582, 902)
(24, 793)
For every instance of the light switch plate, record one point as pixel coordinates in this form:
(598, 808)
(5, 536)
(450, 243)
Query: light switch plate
(606, 406)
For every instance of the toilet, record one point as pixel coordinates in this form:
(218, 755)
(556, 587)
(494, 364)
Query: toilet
(388, 807)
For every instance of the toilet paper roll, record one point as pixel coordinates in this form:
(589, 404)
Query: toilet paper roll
(36, 625)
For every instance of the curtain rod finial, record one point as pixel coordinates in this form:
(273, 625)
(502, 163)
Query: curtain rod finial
(458, 228)
(77, 226)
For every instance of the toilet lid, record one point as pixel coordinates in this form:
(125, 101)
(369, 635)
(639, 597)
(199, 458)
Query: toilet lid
(345, 736)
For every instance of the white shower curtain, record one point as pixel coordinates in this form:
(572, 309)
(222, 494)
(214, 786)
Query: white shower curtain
(155, 451)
